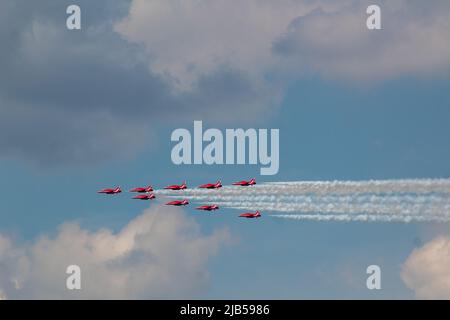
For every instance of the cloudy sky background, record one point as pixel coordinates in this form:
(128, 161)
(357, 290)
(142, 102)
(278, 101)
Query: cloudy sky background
(86, 109)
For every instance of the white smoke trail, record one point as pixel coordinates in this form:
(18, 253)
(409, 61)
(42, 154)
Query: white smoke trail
(360, 217)
(383, 200)
(413, 186)
(369, 208)
(354, 199)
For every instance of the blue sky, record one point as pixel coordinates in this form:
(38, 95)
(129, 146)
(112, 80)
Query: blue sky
(331, 128)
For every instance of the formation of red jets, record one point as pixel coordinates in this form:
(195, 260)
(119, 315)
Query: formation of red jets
(146, 193)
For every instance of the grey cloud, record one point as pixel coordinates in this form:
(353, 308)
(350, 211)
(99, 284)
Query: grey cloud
(136, 65)
(81, 97)
(52, 137)
(337, 44)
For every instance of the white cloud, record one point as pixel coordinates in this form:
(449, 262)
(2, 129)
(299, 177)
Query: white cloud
(159, 254)
(427, 270)
(186, 40)
(190, 39)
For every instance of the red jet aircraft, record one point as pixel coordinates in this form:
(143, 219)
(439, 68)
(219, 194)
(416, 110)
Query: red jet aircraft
(216, 185)
(110, 190)
(142, 190)
(208, 208)
(245, 183)
(178, 203)
(177, 187)
(249, 215)
(145, 196)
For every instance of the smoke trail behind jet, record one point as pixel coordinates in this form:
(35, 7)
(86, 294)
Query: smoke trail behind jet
(418, 200)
